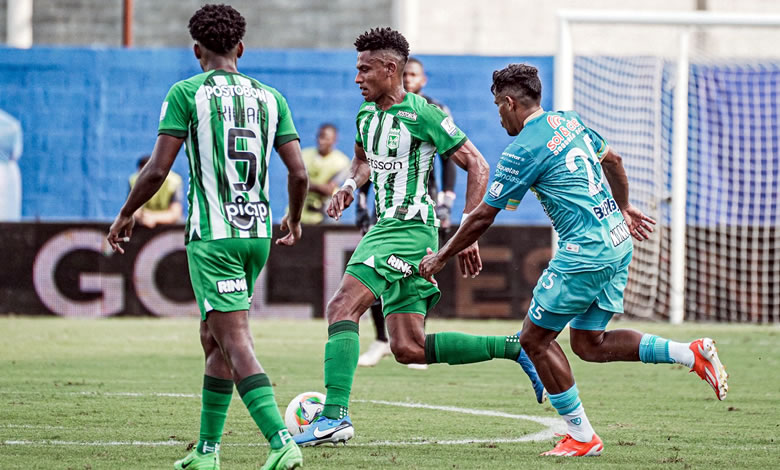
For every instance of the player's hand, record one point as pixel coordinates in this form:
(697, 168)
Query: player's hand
(340, 201)
(120, 231)
(430, 265)
(469, 261)
(639, 225)
(295, 232)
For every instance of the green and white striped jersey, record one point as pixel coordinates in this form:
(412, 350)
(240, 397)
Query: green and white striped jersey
(400, 145)
(229, 121)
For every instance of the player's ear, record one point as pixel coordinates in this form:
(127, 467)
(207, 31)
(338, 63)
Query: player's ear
(197, 51)
(510, 102)
(391, 68)
(240, 49)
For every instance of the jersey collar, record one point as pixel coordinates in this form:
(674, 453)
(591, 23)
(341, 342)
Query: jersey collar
(533, 116)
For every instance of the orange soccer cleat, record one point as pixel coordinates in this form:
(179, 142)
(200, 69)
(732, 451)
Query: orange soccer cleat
(707, 365)
(570, 447)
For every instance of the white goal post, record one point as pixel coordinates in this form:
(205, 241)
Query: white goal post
(565, 98)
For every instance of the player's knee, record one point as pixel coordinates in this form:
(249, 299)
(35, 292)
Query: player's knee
(341, 307)
(408, 353)
(530, 344)
(587, 349)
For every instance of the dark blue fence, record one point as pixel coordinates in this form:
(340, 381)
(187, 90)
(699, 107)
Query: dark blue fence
(89, 114)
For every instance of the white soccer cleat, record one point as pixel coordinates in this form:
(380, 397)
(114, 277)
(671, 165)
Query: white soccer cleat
(375, 353)
(418, 366)
(707, 365)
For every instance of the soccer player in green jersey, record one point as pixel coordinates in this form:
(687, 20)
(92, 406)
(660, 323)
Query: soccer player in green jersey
(397, 136)
(563, 162)
(229, 122)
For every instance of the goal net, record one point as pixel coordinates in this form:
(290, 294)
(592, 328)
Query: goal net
(692, 103)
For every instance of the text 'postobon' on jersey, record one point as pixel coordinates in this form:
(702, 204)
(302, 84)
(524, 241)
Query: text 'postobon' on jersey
(558, 158)
(400, 144)
(229, 121)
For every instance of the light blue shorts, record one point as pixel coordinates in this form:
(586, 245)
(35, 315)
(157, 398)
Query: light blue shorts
(585, 295)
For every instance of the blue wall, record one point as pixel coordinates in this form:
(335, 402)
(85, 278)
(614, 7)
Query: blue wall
(89, 114)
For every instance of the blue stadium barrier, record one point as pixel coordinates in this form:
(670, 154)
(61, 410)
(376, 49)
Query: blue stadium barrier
(89, 114)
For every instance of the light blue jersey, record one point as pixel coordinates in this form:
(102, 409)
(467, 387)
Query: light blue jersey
(558, 159)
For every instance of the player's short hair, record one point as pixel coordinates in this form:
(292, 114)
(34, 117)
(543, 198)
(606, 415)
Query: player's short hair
(219, 28)
(519, 81)
(379, 39)
(415, 60)
(328, 125)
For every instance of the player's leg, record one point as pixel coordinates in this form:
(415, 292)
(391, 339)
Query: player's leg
(593, 344)
(216, 396)
(343, 312)
(700, 356)
(227, 270)
(538, 339)
(406, 303)
(562, 294)
(380, 347)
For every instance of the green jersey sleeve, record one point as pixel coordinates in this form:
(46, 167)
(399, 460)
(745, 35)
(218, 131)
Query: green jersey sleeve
(442, 131)
(285, 129)
(175, 115)
(516, 171)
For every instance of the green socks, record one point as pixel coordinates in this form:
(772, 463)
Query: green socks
(258, 396)
(216, 397)
(341, 356)
(460, 348)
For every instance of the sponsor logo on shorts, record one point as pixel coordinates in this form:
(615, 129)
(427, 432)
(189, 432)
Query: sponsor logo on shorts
(393, 138)
(620, 233)
(449, 126)
(243, 214)
(228, 286)
(400, 265)
(496, 188)
(407, 115)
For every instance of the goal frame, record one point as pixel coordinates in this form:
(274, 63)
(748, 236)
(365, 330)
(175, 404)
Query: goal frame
(564, 99)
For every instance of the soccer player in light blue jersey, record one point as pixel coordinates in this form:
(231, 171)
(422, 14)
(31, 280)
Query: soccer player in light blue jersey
(565, 164)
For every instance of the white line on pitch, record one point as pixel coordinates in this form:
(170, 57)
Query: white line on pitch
(554, 425)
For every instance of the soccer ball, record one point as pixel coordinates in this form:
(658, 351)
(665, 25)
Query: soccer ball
(302, 411)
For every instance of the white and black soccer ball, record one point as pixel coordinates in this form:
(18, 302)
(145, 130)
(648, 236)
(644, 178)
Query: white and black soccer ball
(302, 411)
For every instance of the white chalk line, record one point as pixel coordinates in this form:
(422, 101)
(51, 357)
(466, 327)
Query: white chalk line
(553, 426)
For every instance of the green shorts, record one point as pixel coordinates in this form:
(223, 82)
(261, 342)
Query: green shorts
(586, 295)
(223, 272)
(386, 262)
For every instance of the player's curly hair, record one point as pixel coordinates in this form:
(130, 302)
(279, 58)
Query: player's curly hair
(219, 28)
(520, 81)
(377, 39)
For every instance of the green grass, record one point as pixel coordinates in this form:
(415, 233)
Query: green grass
(89, 394)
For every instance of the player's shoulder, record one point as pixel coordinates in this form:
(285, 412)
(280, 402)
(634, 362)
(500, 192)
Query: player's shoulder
(192, 83)
(367, 107)
(422, 106)
(270, 92)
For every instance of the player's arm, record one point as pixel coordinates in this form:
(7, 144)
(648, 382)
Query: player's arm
(149, 180)
(471, 228)
(359, 173)
(297, 185)
(638, 223)
(478, 171)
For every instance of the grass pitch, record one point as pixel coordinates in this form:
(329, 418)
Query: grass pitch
(124, 394)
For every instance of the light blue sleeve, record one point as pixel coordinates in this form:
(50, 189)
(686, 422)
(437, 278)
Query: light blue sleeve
(516, 171)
